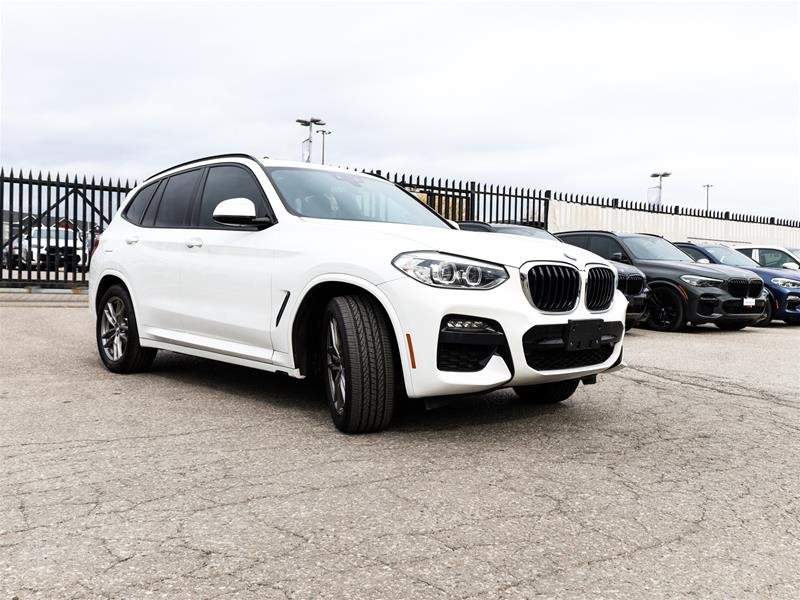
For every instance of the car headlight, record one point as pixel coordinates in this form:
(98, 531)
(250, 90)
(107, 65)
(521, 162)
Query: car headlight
(448, 271)
(699, 281)
(787, 283)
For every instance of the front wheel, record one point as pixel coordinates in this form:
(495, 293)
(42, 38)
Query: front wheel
(359, 364)
(117, 334)
(768, 314)
(548, 393)
(666, 312)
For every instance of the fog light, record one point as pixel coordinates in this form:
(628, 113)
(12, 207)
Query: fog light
(466, 324)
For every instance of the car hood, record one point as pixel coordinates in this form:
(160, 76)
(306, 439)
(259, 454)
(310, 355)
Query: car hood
(509, 250)
(626, 269)
(768, 274)
(692, 268)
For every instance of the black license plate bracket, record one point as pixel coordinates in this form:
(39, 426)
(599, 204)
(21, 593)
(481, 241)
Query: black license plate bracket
(583, 335)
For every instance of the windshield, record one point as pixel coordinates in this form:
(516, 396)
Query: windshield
(655, 248)
(526, 231)
(729, 256)
(349, 197)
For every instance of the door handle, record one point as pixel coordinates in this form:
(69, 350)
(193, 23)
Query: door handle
(131, 239)
(194, 242)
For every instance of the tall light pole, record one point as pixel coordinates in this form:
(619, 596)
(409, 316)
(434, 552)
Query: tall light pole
(660, 177)
(324, 133)
(707, 186)
(310, 124)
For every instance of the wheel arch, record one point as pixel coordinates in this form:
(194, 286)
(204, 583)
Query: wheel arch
(105, 281)
(666, 283)
(308, 315)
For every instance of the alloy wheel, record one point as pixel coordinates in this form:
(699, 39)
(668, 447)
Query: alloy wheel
(664, 309)
(337, 383)
(114, 329)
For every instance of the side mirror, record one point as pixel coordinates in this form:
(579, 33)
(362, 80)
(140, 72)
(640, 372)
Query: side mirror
(791, 265)
(239, 211)
(705, 261)
(620, 257)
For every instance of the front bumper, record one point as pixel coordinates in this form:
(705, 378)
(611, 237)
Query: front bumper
(507, 306)
(785, 303)
(712, 305)
(637, 307)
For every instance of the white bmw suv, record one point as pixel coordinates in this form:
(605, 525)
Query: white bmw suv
(316, 271)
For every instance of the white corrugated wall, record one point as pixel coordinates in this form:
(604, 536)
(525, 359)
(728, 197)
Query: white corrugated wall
(565, 216)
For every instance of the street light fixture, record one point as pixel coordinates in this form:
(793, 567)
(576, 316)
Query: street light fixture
(660, 177)
(324, 133)
(707, 186)
(310, 122)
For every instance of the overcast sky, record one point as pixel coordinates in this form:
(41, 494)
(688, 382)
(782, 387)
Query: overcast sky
(587, 98)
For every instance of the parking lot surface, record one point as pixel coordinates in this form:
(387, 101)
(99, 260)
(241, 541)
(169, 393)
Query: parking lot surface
(675, 477)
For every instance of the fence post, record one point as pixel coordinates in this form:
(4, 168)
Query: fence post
(546, 220)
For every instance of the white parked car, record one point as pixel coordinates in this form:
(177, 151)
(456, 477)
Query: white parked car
(316, 271)
(774, 257)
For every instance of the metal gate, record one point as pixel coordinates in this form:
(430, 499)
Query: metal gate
(49, 227)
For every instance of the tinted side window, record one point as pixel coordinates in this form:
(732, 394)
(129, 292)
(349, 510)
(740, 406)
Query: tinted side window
(604, 246)
(773, 258)
(693, 252)
(581, 241)
(224, 183)
(747, 252)
(173, 211)
(138, 205)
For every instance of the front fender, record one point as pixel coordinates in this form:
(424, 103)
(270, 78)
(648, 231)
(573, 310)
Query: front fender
(282, 340)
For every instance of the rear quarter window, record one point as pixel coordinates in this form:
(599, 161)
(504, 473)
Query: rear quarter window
(581, 241)
(135, 210)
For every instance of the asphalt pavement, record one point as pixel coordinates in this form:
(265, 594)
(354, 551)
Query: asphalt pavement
(675, 477)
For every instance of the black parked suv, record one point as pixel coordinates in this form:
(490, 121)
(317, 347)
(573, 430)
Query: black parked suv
(682, 291)
(630, 280)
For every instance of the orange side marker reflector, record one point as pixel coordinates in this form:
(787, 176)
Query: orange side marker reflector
(411, 351)
(683, 291)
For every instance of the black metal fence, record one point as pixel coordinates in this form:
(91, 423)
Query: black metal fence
(49, 226)
(471, 201)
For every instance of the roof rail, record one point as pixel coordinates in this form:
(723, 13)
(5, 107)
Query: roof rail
(189, 162)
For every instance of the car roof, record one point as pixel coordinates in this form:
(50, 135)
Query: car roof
(614, 233)
(265, 162)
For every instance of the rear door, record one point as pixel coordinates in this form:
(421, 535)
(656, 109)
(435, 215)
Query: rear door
(227, 270)
(156, 256)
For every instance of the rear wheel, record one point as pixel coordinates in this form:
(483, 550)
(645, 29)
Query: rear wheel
(548, 393)
(117, 334)
(359, 364)
(666, 312)
(732, 325)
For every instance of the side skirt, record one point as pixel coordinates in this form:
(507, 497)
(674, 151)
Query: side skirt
(234, 360)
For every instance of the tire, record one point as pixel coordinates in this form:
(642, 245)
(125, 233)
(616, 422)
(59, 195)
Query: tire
(359, 364)
(732, 325)
(768, 313)
(118, 345)
(548, 393)
(666, 311)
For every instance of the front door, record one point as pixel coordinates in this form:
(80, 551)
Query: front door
(227, 271)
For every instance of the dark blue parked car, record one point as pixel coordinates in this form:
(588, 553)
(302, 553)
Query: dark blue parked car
(782, 285)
